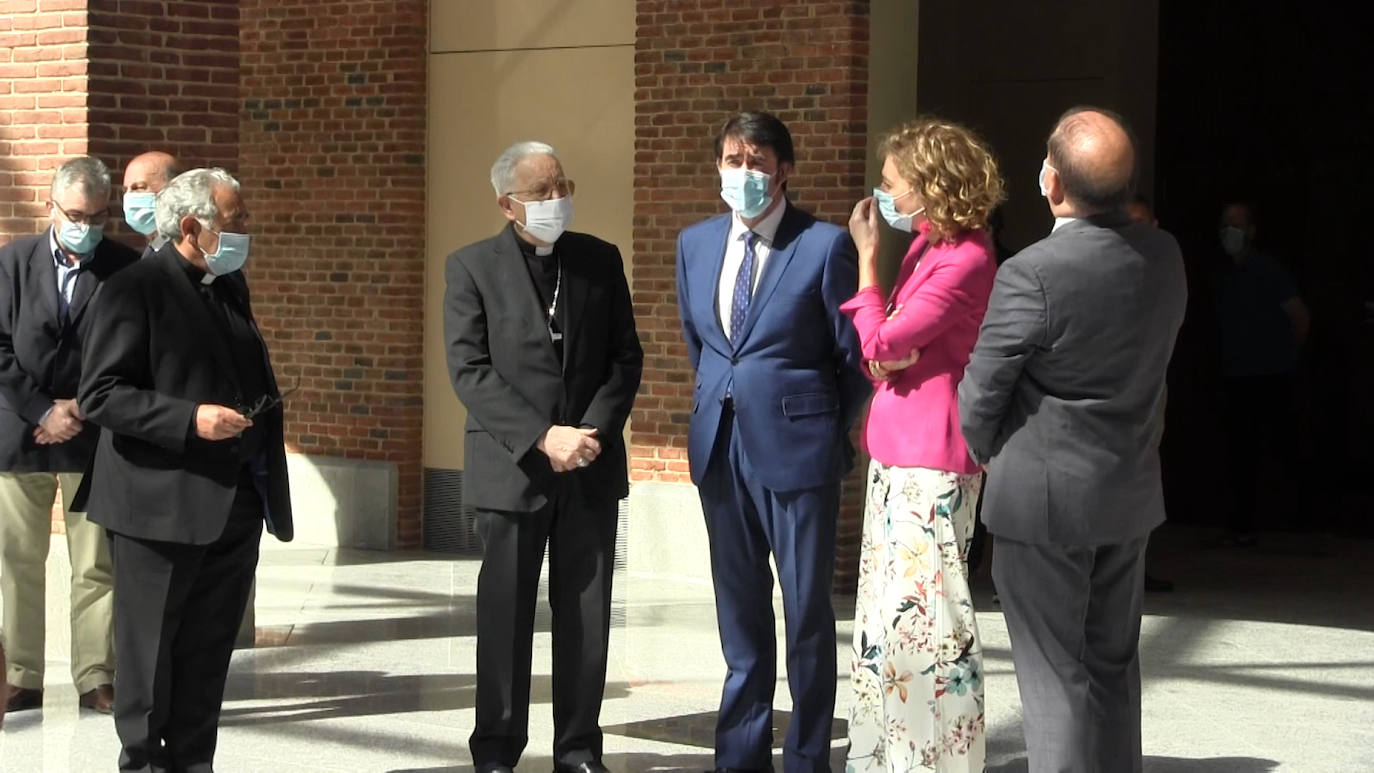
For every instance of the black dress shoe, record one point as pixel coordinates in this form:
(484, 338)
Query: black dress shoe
(585, 767)
(23, 699)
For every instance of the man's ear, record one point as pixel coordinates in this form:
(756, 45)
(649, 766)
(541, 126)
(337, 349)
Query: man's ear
(1055, 186)
(190, 227)
(504, 203)
(784, 173)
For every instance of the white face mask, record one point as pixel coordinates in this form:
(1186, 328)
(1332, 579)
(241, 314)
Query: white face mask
(1045, 167)
(1233, 241)
(547, 220)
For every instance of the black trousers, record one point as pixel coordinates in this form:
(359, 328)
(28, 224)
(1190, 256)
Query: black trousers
(1258, 418)
(580, 535)
(177, 610)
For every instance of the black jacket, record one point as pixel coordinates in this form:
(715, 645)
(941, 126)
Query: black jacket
(40, 357)
(507, 374)
(153, 354)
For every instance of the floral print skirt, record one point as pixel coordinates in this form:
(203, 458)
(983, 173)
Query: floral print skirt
(917, 671)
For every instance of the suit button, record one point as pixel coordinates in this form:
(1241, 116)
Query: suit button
(734, 360)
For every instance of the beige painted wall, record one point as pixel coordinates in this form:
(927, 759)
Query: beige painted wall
(503, 72)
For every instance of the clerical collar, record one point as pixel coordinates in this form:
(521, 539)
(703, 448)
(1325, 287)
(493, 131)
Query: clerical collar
(194, 272)
(531, 249)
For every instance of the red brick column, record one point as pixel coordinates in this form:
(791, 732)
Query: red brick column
(332, 156)
(695, 64)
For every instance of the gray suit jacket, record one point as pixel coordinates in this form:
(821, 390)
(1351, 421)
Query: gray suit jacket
(1064, 392)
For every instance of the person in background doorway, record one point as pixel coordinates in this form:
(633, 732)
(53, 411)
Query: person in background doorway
(1264, 324)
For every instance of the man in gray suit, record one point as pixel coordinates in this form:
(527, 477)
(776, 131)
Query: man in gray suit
(1063, 399)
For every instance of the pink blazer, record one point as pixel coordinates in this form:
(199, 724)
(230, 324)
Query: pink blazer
(937, 307)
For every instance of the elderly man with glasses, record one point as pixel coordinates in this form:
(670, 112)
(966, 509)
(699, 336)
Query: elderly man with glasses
(47, 283)
(189, 466)
(542, 350)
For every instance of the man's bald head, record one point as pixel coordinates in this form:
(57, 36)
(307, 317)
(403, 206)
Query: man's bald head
(150, 171)
(1092, 151)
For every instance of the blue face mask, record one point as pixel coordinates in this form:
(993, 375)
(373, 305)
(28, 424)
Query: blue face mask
(887, 207)
(139, 213)
(79, 238)
(746, 191)
(231, 255)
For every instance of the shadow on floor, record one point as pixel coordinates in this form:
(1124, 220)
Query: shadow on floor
(360, 694)
(1172, 765)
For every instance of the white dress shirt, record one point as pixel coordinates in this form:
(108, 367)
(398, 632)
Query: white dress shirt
(766, 229)
(1059, 222)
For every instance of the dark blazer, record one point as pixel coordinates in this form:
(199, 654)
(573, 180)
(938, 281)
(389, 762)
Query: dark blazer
(1064, 392)
(797, 387)
(506, 372)
(153, 354)
(40, 357)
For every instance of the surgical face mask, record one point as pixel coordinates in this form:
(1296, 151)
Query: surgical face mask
(547, 220)
(80, 238)
(887, 206)
(746, 191)
(139, 213)
(231, 254)
(1233, 240)
(1044, 167)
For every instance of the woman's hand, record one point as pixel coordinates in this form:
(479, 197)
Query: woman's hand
(883, 371)
(863, 227)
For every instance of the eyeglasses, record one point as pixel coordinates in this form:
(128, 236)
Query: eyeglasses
(268, 402)
(543, 192)
(82, 218)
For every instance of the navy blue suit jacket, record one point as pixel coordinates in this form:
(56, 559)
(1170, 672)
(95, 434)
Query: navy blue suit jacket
(793, 371)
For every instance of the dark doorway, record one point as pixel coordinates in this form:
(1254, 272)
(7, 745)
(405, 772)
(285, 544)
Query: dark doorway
(1272, 103)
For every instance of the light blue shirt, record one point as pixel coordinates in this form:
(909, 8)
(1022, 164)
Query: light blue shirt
(66, 274)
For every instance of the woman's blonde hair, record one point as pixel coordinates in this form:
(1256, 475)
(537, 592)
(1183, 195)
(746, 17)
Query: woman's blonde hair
(951, 168)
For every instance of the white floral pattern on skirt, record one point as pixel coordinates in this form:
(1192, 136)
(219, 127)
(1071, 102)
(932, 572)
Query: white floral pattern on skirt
(917, 671)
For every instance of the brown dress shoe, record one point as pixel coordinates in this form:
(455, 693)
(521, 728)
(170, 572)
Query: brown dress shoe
(23, 699)
(100, 699)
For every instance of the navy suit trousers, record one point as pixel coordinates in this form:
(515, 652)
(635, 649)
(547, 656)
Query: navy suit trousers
(745, 522)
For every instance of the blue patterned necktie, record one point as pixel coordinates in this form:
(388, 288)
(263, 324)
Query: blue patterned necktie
(744, 288)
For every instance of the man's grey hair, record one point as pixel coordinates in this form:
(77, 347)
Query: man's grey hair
(503, 171)
(87, 171)
(190, 193)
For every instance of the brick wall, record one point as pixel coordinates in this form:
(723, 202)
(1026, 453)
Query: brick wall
(43, 116)
(163, 76)
(332, 155)
(695, 64)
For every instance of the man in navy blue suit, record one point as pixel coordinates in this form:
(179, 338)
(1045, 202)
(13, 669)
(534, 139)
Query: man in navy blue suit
(778, 386)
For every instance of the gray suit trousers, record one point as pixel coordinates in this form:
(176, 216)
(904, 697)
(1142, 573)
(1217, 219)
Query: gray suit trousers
(1073, 613)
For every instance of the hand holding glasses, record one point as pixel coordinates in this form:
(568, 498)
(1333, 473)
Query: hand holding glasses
(268, 402)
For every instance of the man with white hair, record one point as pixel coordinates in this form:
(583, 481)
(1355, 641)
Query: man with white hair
(189, 464)
(47, 283)
(542, 350)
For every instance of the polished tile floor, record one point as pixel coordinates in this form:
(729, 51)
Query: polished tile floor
(1261, 660)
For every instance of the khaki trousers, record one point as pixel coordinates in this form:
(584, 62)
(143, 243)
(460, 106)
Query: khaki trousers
(25, 527)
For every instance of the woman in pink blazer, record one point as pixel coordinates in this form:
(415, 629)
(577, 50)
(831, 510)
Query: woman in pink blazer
(917, 671)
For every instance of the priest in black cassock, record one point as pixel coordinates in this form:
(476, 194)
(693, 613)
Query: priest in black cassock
(543, 353)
